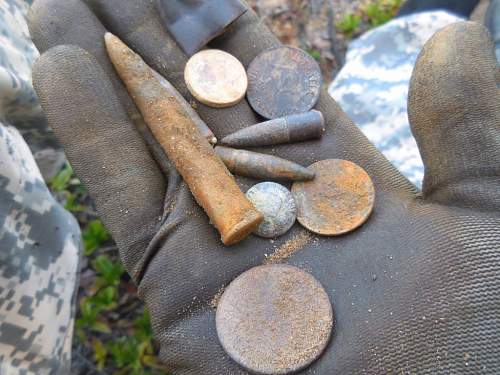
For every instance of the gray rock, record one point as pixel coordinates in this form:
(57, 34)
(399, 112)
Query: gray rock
(277, 205)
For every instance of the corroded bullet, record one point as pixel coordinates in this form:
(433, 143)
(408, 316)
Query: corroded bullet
(211, 184)
(262, 166)
(288, 129)
(194, 23)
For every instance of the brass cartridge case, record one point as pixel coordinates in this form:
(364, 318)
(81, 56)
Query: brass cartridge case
(211, 184)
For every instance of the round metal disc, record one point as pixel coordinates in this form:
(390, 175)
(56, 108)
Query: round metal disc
(216, 78)
(337, 201)
(276, 203)
(283, 81)
(274, 319)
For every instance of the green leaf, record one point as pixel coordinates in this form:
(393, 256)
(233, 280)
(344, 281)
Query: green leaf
(100, 353)
(142, 327)
(349, 24)
(106, 298)
(316, 55)
(109, 272)
(72, 204)
(125, 352)
(60, 181)
(381, 11)
(100, 327)
(94, 235)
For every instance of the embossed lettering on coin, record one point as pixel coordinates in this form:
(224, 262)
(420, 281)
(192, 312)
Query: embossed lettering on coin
(283, 81)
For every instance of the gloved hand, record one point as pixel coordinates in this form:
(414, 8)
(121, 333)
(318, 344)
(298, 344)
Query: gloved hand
(434, 305)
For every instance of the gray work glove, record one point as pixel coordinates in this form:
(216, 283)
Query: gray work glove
(434, 306)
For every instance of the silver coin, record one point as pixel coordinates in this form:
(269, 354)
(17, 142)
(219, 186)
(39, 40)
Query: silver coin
(277, 205)
(283, 81)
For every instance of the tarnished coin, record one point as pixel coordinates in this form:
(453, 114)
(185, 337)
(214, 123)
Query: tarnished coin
(216, 78)
(276, 203)
(337, 201)
(283, 81)
(274, 319)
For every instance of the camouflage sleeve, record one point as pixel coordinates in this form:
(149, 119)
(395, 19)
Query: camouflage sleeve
(18, 103)
(372, 87)
(39, 240)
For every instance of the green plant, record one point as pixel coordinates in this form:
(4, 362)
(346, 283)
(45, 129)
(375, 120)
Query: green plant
(60, 181)
(100, 353)
(91, 309)
(66, 185)
(104, 299)
(94, 235)
(133, 354)
(381, 11)
(109, 273)
(316, 55)
(349, 24)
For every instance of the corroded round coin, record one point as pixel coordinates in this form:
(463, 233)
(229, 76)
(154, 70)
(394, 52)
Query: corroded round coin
(337, 201)
(283, 81)
(216, 78)
(276, 203)
(274, 319)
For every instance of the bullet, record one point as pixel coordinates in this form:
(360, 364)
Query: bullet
(211, 184)
(262, 166)
(194, 23)
(288, 129)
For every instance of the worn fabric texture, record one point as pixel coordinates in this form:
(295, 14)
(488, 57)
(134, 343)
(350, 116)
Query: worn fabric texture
(39, 240)
(372, 87)
(492, 21)
(19, 106)
(433, 305)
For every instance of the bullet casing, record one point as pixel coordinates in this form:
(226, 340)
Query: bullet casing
(288, 129)
(262, 166)
(211, 184)
(203, 128)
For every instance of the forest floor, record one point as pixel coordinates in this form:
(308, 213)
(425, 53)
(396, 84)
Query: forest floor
(112, 331)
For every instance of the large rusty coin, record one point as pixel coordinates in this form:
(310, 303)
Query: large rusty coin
(216, 78)
(337, 201)
(283, 81)
(274, 319)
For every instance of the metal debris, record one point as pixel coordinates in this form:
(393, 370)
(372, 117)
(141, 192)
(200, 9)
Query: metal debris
(276, 203)
(262, 166)
(337, 201)
(213, 187)
(274, 319)
(288, 129)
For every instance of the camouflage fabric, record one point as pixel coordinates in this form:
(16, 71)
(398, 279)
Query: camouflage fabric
(39, 240)
(372, 87)
(18, 103)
